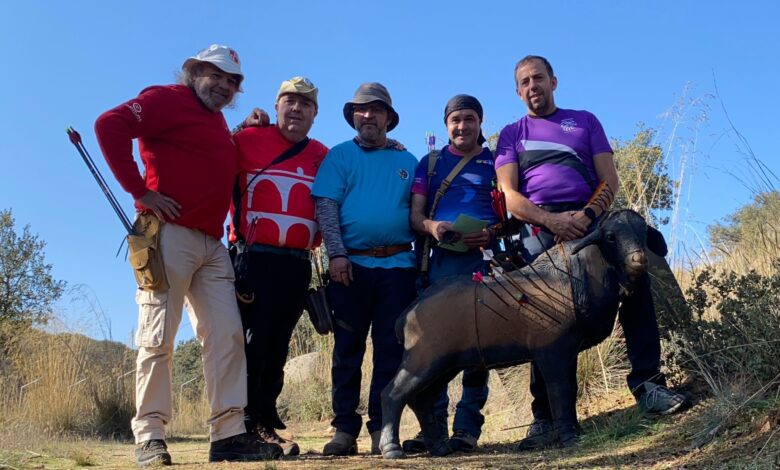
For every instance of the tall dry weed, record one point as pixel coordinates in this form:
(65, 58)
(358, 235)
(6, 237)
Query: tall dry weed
(67, 384)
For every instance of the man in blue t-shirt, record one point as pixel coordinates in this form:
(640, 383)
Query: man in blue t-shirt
(468, 194)
(362, 193)
(550, 163)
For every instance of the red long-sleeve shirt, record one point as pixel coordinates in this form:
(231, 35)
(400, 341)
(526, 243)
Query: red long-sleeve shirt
(187, 152)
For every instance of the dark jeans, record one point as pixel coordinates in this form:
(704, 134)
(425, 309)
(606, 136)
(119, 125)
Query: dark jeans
(280, 284)
(468, 416)
(636, 316)
(374, 300)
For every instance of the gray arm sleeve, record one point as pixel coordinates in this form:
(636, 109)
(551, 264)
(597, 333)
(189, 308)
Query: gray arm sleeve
(327, 211)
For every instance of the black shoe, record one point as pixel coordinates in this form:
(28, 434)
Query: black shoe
(541, 434)
(243, 447)
(269, 436)
(152, 452)
(462, 441)
(569, 435)
(415, 445)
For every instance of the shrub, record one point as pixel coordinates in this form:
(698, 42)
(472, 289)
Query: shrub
(734, 328)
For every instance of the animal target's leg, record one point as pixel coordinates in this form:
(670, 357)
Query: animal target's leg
(558, 365)
(434, 431)
(394, 397)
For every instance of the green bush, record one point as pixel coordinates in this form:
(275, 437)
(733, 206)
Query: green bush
(734, 328)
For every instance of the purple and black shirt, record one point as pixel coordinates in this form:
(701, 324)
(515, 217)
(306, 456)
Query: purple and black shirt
(554, 155)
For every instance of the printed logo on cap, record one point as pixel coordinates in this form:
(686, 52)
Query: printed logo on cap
(234, 56)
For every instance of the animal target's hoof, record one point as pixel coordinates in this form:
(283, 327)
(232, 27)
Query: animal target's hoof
(392, 451)
(440, 449)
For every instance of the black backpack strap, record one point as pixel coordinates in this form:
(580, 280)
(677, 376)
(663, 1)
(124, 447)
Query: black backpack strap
(238, 194)
(445, 184)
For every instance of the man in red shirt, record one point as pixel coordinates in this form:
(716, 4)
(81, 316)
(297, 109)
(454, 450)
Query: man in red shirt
(273, 215)
(190, 163)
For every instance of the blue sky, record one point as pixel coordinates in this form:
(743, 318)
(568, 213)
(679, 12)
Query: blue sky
(628, 62)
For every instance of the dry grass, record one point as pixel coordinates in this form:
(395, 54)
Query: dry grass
(66, 384)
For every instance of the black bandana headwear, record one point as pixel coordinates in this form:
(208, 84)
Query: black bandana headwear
(459, 102)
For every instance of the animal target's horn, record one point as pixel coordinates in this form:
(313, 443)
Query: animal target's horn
(589, 239)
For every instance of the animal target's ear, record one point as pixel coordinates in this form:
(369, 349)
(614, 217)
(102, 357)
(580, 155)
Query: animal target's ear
(656, 242)
(589, 239)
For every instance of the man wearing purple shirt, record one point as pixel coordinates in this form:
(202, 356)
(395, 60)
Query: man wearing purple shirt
(549, 164)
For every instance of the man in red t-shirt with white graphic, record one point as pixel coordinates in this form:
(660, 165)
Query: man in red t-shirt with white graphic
(274, 217)
(190, 163)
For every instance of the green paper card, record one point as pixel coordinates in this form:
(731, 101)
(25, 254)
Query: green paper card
(464, 224)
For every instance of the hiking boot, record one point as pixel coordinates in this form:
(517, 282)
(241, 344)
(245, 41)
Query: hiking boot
(541, 434)
(415, 445)
(659, 400)
(269, 436)
(340, 445)
(152, 452)
(462, 441)
(243, 447)
(569, 435)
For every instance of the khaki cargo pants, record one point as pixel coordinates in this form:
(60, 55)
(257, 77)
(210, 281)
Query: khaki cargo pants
(201, 279)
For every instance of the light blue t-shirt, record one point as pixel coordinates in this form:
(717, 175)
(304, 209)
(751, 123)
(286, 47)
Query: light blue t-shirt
(372, 188)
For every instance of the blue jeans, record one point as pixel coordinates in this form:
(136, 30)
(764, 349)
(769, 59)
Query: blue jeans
(468, 412)
(374, 300)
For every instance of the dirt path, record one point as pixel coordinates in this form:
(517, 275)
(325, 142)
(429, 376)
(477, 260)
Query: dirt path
(620, 438)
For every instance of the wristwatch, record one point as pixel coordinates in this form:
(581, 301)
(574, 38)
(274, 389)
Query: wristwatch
(590, 213)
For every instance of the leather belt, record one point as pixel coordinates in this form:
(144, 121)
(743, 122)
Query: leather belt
(381, 251)
(277, 250)
(563, 207)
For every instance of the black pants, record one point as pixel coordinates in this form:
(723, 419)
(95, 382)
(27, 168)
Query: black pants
(280, 284)
(640, 329)
(375, 300)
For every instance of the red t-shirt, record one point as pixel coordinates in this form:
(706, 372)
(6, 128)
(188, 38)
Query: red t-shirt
(278, 202)
(187, 152)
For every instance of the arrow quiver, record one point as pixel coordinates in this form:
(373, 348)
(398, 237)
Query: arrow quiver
(145, 256)
(512, 257)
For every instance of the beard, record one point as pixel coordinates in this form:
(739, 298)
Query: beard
(539, 105)
(213, 100)
(369, 134)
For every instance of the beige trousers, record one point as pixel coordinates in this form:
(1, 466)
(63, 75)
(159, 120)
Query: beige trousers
(201, 279)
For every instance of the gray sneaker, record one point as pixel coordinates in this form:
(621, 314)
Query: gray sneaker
(659, 400)
(341, 444)
(152, 452)
(541, 434)
(462, 441)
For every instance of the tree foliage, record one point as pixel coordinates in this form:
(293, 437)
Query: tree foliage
(645, 185)
(27, 289)
(187, 365)
(749, 238)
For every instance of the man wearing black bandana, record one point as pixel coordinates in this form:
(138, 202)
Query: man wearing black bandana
(468, 194)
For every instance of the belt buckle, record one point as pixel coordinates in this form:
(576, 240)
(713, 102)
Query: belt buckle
(379, 252)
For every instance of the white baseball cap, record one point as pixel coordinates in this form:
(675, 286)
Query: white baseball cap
(222, 57)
